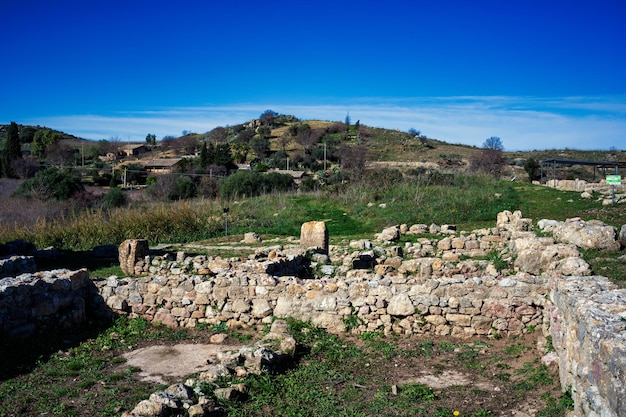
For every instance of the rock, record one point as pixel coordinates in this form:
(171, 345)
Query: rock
(131, 251)
(251, 238)
(147, 408)
(314, 235)
(622, 235)
(400, 305)
(589, 235)
(389, 234)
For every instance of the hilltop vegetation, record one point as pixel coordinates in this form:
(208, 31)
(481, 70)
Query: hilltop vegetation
(339, 171)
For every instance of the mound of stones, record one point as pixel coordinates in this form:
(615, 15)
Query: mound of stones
(189, 398)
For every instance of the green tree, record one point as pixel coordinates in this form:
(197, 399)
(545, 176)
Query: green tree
(532, 168)
(151, 139)
(223, 155)
(12, 150)
(204, 155)
(260, 146)
(42, 139)
(240, 151)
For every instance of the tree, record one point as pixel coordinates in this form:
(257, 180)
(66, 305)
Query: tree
(494, 143)
(60, 154)
(532, 168)
(12, 150)
(219, 134)
(264, 131)
(268, 117)
(43, 139)
(240, 151)
(284, 140)
(260, 146)
(488, 161)
(245, 135)
(204, 155)
(223, 155)
(414, 132)
(151, 139)
(353, 158)
(308, 138)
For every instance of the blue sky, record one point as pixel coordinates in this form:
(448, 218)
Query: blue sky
(537, 74)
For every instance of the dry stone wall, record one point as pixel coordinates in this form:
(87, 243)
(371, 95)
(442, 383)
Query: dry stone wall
(32, 302)
(443, 285)
(240, 295)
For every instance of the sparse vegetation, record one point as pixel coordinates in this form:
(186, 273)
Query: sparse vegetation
(343, 376)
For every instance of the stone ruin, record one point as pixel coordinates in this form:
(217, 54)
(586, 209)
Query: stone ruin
(499, 281)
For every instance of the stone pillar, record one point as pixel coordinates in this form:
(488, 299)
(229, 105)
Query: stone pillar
(131, 251)
(314, 235)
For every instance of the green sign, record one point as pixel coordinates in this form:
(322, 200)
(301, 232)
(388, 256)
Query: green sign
(613, 179)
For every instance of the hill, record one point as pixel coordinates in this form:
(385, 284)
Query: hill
(281, 141)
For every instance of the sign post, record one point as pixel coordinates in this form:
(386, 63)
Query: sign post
(613, 180)
(226, 210)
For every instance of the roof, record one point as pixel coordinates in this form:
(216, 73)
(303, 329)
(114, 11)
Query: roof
(294, 174)
(164, 162)
(583, 162)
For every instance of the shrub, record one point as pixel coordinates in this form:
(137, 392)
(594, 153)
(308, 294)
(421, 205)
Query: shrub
(51, 183)
(113, 198)
(250, 183)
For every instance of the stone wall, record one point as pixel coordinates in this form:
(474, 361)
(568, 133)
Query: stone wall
(15, 265)
(588, 328)
(242, 294)
(440, 285)
(31, 302)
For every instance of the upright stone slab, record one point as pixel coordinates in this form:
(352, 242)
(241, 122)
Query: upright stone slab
(131, 251)
(314, 235)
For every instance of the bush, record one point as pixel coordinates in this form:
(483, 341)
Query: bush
(250, 183)
(113, 198)
(51, 183)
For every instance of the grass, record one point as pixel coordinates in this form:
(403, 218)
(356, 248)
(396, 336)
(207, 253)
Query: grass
(328, 376)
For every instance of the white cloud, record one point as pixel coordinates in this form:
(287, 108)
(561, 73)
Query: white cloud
(523, 123)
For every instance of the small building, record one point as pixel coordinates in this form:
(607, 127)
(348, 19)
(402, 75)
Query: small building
(134, 150)
(296, 175)
(162, 166)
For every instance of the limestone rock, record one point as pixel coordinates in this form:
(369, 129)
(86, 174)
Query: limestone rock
(251, 238)
(314, 235)
(589, 235)
(400, 305)
(131, 251)
(389, 234)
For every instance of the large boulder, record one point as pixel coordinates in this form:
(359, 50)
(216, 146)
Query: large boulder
(622, 235)
(591, 234)
(314, 235)
(131, 251)
(389, 234)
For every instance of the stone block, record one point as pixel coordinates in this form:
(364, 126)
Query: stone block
(314, 235)
(130, 252)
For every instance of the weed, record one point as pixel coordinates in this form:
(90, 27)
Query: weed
(220, 327)
(515, 350)
(446, 346)
(352, 321)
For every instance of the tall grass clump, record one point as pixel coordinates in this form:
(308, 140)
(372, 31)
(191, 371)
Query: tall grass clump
(362, 208)
(174, 222)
